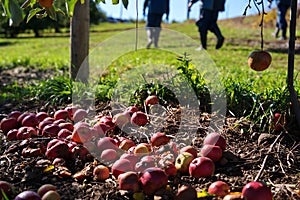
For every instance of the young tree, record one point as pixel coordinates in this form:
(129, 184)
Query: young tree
(78, 11)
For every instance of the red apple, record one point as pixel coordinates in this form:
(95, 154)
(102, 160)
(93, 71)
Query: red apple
(131, 109)
(201, 167)
(7, 188)
(133, 159)
(25, 132)
(14, 114)
(190, 149)
(183, 161)
(66, 125)
(215, 139)
(71, 110)
(51, 195)
(151, 100)
(28, 195)
(158, 139)
(186, 192)
(106, 143)
(101, 129)
(50, 130)
(141, 149)
(22, 116)
(213, 152)
(64, 133)
(126, 144)
(7, 124)
(81, 133)
(121, 166)
(109, 155)
(153, 179)
(169, 168)
(30, 120)
(256, 191)
(46, 188)
(107, 120)
(101, 173)
(139, 118)
(12, 134)
(129, 181)
(41, 116)
(61, 114)
(79, 115)
(121, 119)
(219, 188)
(145, 163)
(58, 149)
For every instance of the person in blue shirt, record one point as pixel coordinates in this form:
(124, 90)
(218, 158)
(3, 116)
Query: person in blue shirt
(156, 10)
(209, 11)
(281, 24)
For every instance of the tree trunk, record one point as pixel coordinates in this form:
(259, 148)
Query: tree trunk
(80, 42)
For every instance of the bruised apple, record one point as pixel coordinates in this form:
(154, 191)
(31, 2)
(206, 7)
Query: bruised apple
(259, 60)
(183, 161)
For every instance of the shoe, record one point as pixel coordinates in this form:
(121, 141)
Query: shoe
(220, 43)
(200, 48)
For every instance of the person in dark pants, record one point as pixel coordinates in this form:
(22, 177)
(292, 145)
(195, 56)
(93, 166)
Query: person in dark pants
(281, 24)
(209, 11)
(156, 10)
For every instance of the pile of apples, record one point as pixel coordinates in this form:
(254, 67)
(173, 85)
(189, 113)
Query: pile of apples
(137, 166)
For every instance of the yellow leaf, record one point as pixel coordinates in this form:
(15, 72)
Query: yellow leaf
(49, 168)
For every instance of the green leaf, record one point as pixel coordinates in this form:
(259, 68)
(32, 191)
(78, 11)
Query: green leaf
(51, 13)
(26, 4)
(58, 10)
(115, 2)
(125, 3)
(70, 6)
(32, 13)
(14, 12)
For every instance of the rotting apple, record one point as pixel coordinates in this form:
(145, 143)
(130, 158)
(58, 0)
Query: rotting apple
(7, 124)
(201, 167)
(101, 173)
(216, 139)
(139, 118)
(129, 181)
(152, 179)
(256, 191)
(159, 139)
(211, 151)
(183, 161)
(219, 188)
(145, 163)
(141, 149)
(58, 149)
(131, 109)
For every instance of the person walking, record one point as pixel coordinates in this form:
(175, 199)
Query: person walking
(156, 10)
(281, 24)
(209, 11)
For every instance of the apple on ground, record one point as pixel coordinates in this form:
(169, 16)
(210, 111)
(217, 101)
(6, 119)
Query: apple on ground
(61, 114)
(139, 118)
(30, 120)
(109, 155)
(28, 195)
(7, 124)
(26, 132)
(126, 144)
(215, 139)
(50, 130)
(213, 152)
(121, 166)
(159, 139)
(131, 109)
(46, 188)
(14, 114)
(183, 161)
(151, 100)
(41, 116)
(51, 195)
(190, 149)
(133, 159)
(106, 143)
(101, 173)
(256, 191)
(201, 167)
(79, 115)
(141, 149)
(218, 188)
(153, 179)
(129, 181)
(186, 192)
(121, 119)
(12, 134)
(145, 163)
(7, 188)
(71, 110)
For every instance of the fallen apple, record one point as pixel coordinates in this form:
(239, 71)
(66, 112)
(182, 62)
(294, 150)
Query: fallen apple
(141, 149)
(7, 188)
(51, 195)
(218, 188)
(213, 152)
(101, 173)
(186, 192)
(190, 149)
(121, 166)
(201, 167)
(256, 191)
(50, 130)
(64, 133)
(151, 100)
(121, 119)
(30, 120)
(45, 188)
(129, 181)
(41, 116)
(61, 114)
(126, 144)
(109, 155)
(159, 139)
(153, 179)
(79, 115)
(139, 118)
(183, 161)
(106, 143)
(12, 134)
(7, 124)
(14, 114)
(215, 139)
(28, 195)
